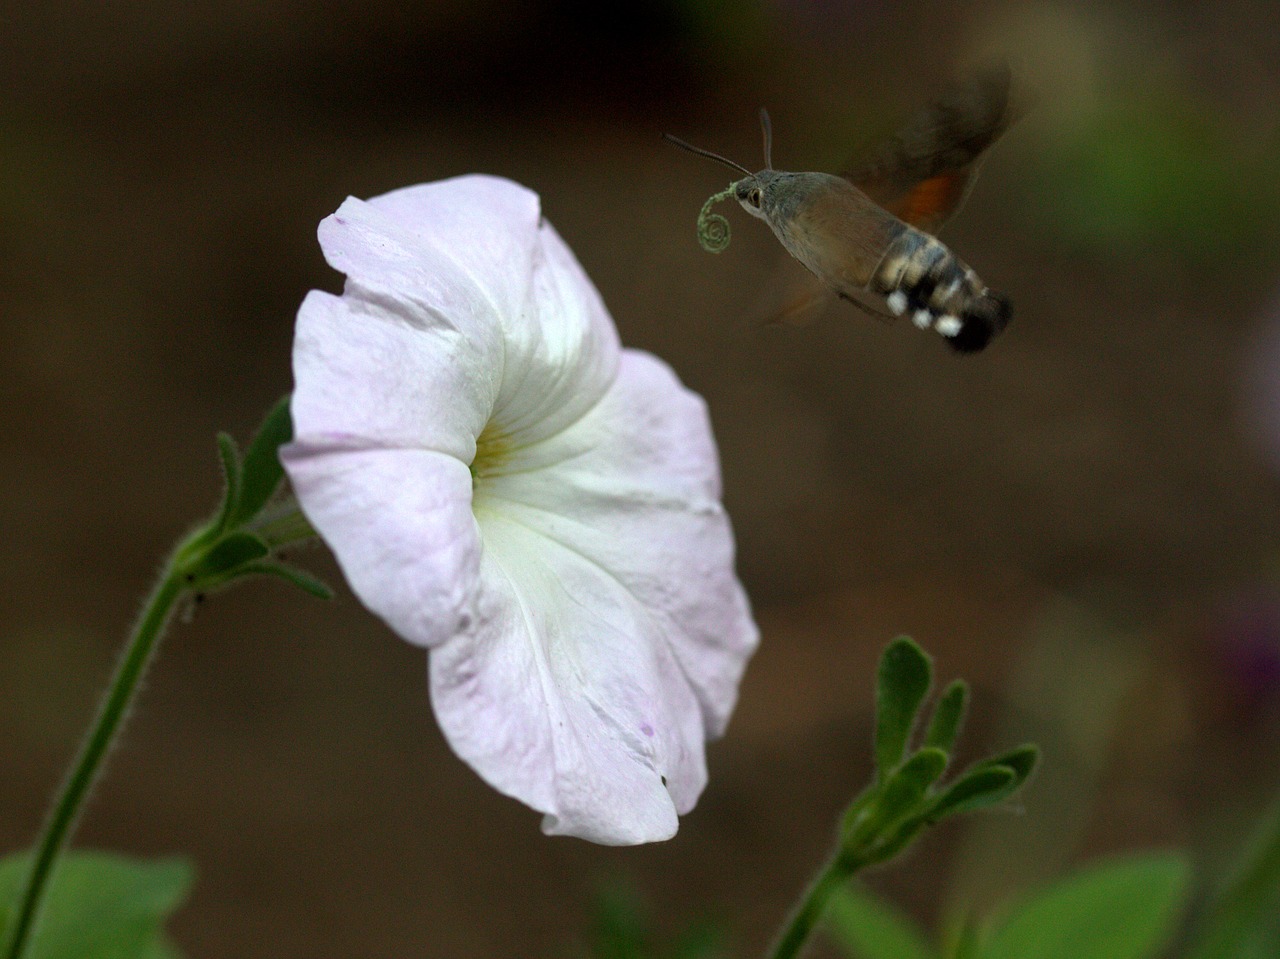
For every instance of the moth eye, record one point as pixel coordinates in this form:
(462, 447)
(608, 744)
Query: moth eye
(755, 198)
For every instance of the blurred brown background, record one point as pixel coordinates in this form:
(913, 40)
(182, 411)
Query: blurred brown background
(1082, 520)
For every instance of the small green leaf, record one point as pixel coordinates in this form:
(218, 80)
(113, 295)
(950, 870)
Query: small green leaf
(907, 786)
(865, 926)
(1022, 761)
(966, 942)
(233, 479)
(304, 581)
(1247, 909)
(262, 469)
(904, 677)
(1119, 910)
(948, 716)
(230, 552)
(702, 940)
(865, 824)
(160, 948)
(102, 906)
(976, 789)
(895, 841)
(620, 927)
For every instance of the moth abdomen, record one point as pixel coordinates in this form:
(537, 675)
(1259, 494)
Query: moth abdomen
(921, 278)
(982, 318)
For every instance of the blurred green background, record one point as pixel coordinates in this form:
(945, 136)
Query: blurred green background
(1082, 520)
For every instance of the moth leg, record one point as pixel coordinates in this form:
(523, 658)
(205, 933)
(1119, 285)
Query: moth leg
(869, 303)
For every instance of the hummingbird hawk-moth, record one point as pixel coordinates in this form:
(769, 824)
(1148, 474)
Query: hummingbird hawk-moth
(868, 233)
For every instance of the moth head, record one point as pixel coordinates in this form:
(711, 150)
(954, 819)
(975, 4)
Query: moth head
(755, 193)
(750, 192)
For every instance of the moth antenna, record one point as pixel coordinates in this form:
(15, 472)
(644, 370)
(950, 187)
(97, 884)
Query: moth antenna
(767, 129)
(705, 153)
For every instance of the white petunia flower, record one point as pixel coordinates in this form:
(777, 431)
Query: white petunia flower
(506, 486)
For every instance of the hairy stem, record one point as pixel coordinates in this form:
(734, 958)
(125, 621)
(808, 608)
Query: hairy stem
(88, 763)
(812, 904)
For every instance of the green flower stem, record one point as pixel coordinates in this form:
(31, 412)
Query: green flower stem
(70, 801)
(813, 903)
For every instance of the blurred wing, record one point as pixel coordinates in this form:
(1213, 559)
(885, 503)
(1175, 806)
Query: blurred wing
(792, 296)
(923, 173)
(803, 299)
(806, 298)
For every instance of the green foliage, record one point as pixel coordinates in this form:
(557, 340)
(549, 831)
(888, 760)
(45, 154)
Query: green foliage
(261, 469)
(1153, 167)
(905, 797)
(865, 926)
(903, 682)
(948, 717)
(621, 928)
(1244, 921)
(226, 553)
(102, 906)
(1124, 909)
(238, 541)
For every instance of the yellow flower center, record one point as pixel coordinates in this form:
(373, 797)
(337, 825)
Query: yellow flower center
(493, 450)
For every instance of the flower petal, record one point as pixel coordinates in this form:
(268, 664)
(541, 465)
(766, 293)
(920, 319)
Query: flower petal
(611, 631)
(575, 582)
(558, 368)
(635, 487)
(364, 376)
(400, 524)
(435, 343)
(480, 232)
(567, 696)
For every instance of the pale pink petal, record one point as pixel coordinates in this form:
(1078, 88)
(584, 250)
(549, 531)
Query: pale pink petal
(469, 299)
(368, 377)
(629, 632)
(400, 524)
(635, 488)
(472, 239)
(587, 633)
(567, 696)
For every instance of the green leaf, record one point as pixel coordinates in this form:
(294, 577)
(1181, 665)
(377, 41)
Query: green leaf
(878, 832)
(620, 924)
(907, 786)
(881, 806)
(865, 926)
(1022, 761)
(976, 789)
(966, 941)
(102, 906)
(304, 581)
(702, 940)
(233, 550)
(160, 948)
(948, 716)
(233, 479)
(1246, 910)
(262, 469)
(1119, 910)
(904, 677)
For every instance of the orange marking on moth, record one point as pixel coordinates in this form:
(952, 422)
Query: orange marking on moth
(930, 198)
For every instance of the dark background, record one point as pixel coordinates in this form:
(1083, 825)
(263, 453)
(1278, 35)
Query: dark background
(1082, 520)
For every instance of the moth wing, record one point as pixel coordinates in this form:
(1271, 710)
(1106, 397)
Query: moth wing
(804, 299)
(924, 172)
(795, 297)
